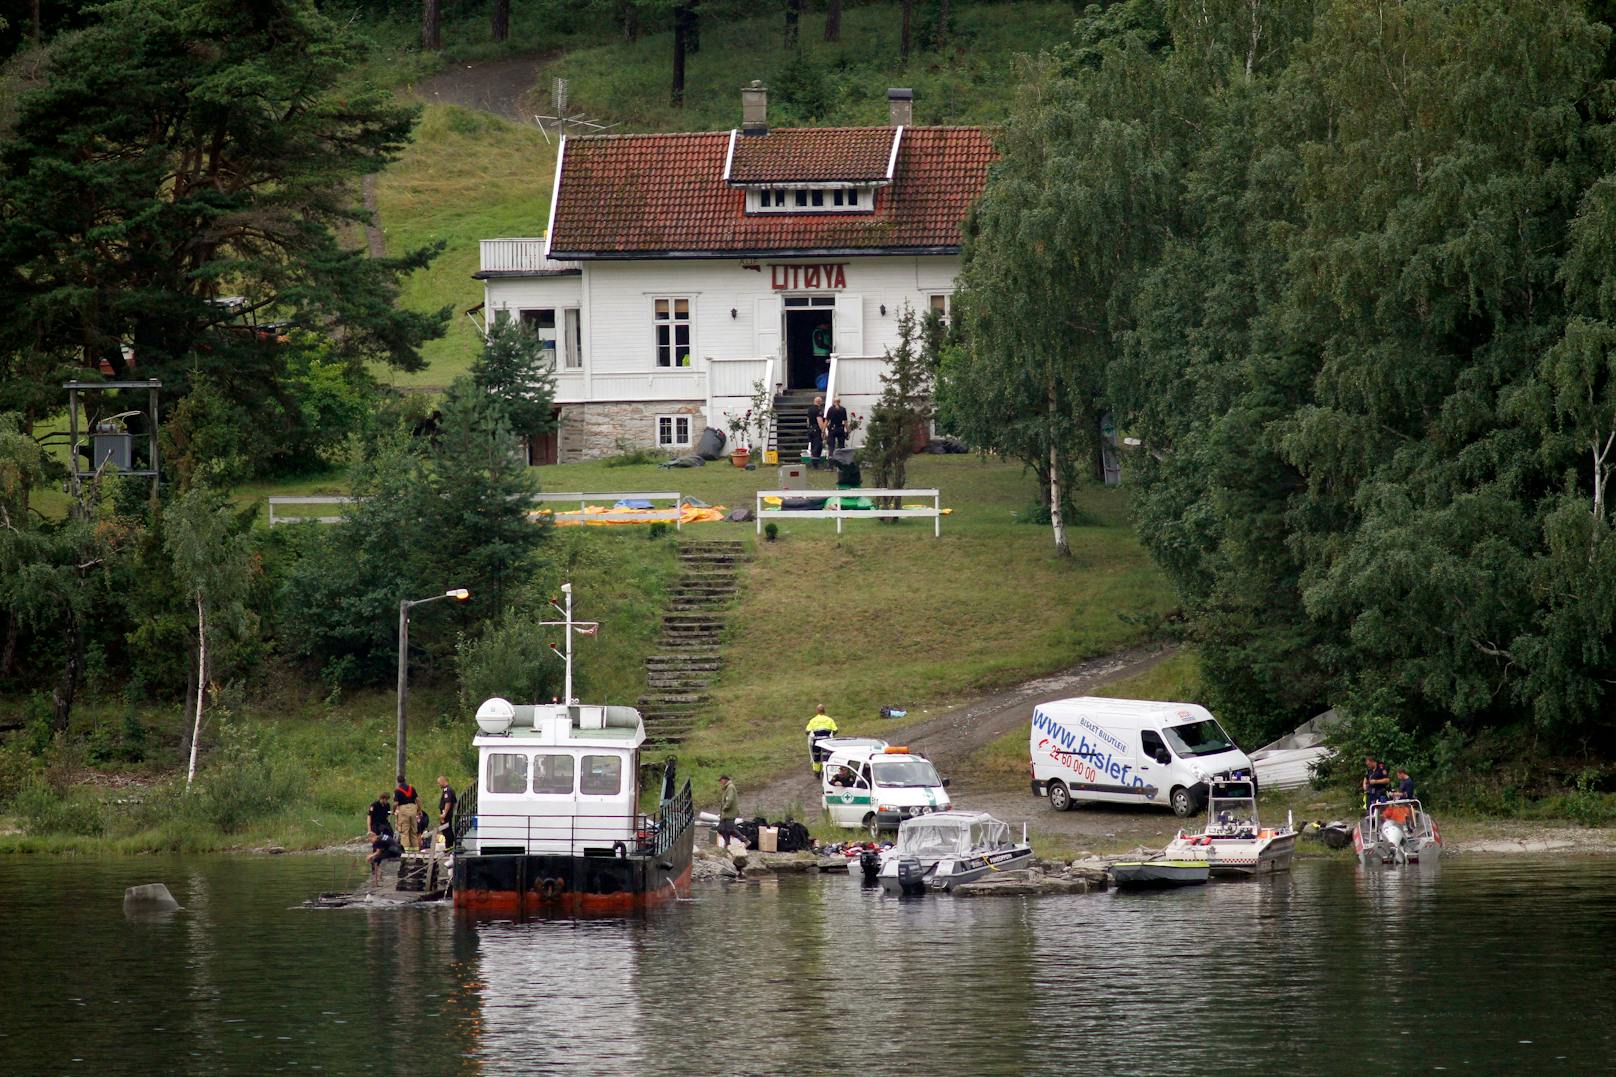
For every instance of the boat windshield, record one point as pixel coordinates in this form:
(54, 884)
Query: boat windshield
(903, 772)
(933, 840)
(1205, 737)
(990, 833)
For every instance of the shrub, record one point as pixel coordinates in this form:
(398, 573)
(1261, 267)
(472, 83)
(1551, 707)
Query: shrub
(241, 782)
(511, 659)
(656, 530)
(629, 455)
(76, 812)
(771, 531)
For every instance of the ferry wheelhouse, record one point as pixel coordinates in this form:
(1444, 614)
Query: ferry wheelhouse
(555, 827)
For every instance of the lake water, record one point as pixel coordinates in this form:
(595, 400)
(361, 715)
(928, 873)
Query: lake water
(1486, 965)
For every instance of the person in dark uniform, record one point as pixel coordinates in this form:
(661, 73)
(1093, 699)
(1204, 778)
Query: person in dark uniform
(377, 820)
(816, 431)
(835, 426)
(1375, 781)
(1405, 785)
(446, 810)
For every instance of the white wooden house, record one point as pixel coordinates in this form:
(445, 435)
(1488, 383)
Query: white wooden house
(679, 270)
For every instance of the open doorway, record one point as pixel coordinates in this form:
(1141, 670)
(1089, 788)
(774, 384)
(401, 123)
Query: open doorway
(809, 334)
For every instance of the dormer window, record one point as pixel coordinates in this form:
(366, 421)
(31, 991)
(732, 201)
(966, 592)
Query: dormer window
(811, 200)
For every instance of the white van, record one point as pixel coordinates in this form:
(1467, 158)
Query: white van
(1129, 751)
(878, 787)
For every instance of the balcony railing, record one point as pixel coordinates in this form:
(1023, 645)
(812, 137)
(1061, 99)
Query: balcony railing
(519, 256)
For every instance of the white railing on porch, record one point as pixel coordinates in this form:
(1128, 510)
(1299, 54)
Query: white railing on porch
(854, 375)
(934, 511)
(519, 256)
(731, 383)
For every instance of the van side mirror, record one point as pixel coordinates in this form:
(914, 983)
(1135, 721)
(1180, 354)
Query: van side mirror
(1162, 757)
(945, 783)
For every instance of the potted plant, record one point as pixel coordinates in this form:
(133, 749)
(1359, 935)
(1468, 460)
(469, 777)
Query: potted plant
(740, 427)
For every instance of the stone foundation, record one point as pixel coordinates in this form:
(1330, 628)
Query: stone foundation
(590, 431)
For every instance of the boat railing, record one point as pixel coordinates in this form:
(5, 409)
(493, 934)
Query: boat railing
(672, 819)
(573, 834)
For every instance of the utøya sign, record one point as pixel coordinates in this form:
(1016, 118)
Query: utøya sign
(784, 278)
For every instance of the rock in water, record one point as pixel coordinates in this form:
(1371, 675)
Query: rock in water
(152, 897)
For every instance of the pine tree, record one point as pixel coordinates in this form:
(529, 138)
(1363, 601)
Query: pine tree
(900, 416)
(517, 372)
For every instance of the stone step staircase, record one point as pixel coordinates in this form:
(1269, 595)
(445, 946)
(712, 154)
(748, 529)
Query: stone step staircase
(687, 662)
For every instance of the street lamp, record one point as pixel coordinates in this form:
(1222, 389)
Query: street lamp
(459, 594)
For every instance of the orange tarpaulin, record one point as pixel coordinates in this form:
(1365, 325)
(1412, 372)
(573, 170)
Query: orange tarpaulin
(607, 516)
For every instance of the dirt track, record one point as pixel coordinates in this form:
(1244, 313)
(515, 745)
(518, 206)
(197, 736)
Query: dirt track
(503, 87)
(949, 739)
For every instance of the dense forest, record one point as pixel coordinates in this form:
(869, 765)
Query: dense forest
(1343, 268)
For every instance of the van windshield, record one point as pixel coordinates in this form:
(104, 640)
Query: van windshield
(1198, 738)
(905, 772)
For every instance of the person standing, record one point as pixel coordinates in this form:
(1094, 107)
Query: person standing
(407, 815)
(446, 810)
(377, 817)
(1405, 784)
(820, 727)
(835, 426)
(1375, 782)
(729, 809)
(816, 431)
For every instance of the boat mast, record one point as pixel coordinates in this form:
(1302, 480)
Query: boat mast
(583, 628)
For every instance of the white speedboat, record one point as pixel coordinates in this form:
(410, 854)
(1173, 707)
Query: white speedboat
(1396, 832)
(1234, 841)
(938, 852)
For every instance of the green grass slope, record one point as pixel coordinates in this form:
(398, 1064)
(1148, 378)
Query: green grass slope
(467, 176)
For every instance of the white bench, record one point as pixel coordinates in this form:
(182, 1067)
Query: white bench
(283, 500)
(934, 512)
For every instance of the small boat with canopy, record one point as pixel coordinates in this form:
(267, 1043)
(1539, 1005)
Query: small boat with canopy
(943, 850)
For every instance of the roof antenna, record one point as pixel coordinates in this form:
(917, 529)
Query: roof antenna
(561, 120)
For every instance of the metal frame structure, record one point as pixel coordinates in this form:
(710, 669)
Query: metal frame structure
(74, 388)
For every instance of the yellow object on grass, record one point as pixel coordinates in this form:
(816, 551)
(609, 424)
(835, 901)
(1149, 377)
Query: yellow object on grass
(610, 517)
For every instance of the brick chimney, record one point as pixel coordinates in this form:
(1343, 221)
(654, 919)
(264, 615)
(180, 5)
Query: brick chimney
(755, 109)
(901, 106)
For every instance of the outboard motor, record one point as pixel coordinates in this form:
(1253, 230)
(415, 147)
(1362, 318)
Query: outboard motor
(870, 864)
(911, 876)
(1393, 835)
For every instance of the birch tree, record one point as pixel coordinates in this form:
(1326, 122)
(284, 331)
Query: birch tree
(212, 561)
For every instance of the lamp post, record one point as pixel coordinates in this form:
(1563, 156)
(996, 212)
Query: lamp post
(459, 594)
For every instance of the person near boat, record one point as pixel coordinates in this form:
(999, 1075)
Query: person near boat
(446, 809)
(819, 727)
(1375, 781)
(1405, 784)
(407, 815)
(378, 817)
(383, 846)
(729, 809)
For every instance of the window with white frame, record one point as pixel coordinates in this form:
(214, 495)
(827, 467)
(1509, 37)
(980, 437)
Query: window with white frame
(560, 333)
(811, 200)
(672, 431)
(672, 319)
(941, 302)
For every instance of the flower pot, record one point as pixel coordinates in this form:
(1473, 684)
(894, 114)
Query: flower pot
(740, 457)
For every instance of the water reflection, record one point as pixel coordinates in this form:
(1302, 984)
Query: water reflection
(1331, 967)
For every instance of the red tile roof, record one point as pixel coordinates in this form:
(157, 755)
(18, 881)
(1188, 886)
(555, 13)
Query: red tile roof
(813, 153)
(664, 195)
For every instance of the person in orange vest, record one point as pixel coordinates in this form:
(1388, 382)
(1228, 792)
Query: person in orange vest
(407, 815)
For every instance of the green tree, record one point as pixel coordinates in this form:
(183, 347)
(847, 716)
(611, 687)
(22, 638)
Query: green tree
(517, 373)
(213, 563)
(903, 411)
(176, 151)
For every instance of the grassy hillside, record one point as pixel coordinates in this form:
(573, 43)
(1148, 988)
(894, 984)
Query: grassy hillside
(467, 176)
(472, 175)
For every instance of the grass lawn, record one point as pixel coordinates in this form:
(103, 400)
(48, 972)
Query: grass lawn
(885, 614)
(467, 176)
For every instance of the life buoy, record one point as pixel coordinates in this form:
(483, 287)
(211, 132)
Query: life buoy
(552, 888)
(620, 850)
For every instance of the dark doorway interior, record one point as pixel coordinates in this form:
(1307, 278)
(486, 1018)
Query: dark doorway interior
(545, 449)
(808, 342)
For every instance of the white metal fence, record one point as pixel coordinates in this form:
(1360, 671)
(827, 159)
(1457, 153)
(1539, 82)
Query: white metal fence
(934, 512)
